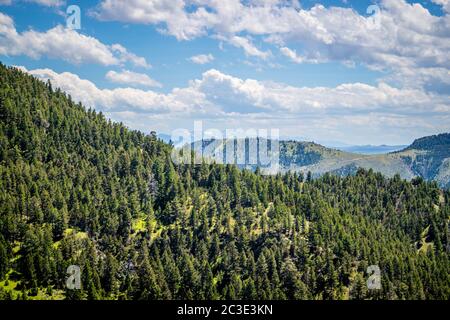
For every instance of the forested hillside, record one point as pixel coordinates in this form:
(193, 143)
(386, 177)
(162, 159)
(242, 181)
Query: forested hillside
(77, 189)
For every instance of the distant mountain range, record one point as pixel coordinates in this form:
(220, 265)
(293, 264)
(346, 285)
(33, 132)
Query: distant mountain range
(427, 157)
(362, 149)
(371, 149)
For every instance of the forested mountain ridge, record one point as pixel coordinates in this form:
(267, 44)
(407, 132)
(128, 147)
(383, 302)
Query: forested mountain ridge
(77, 189)
(427, 157)
(436, 142)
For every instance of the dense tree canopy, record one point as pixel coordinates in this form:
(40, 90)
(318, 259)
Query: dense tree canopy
(77, 189)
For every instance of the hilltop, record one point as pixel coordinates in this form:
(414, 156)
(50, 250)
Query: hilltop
(427, 157)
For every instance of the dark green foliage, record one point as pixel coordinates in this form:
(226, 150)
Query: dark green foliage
(294, 153)
(431, 142)
(79, 189)
(435, 151)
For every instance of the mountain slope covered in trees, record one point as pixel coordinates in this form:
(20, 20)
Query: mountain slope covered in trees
(77, 189)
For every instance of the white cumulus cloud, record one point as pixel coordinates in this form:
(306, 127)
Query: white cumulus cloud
(202, 58)
(295, 57)
(62, 43)
(47, 3)
(249, 48)
(120, 99)
(131, 78)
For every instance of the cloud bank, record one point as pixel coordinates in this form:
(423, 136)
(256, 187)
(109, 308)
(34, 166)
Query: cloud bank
(223, 99)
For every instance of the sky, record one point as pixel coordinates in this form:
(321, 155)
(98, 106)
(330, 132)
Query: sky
(337, 71)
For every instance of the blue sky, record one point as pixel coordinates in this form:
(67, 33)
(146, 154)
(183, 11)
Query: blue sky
(328, 70)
